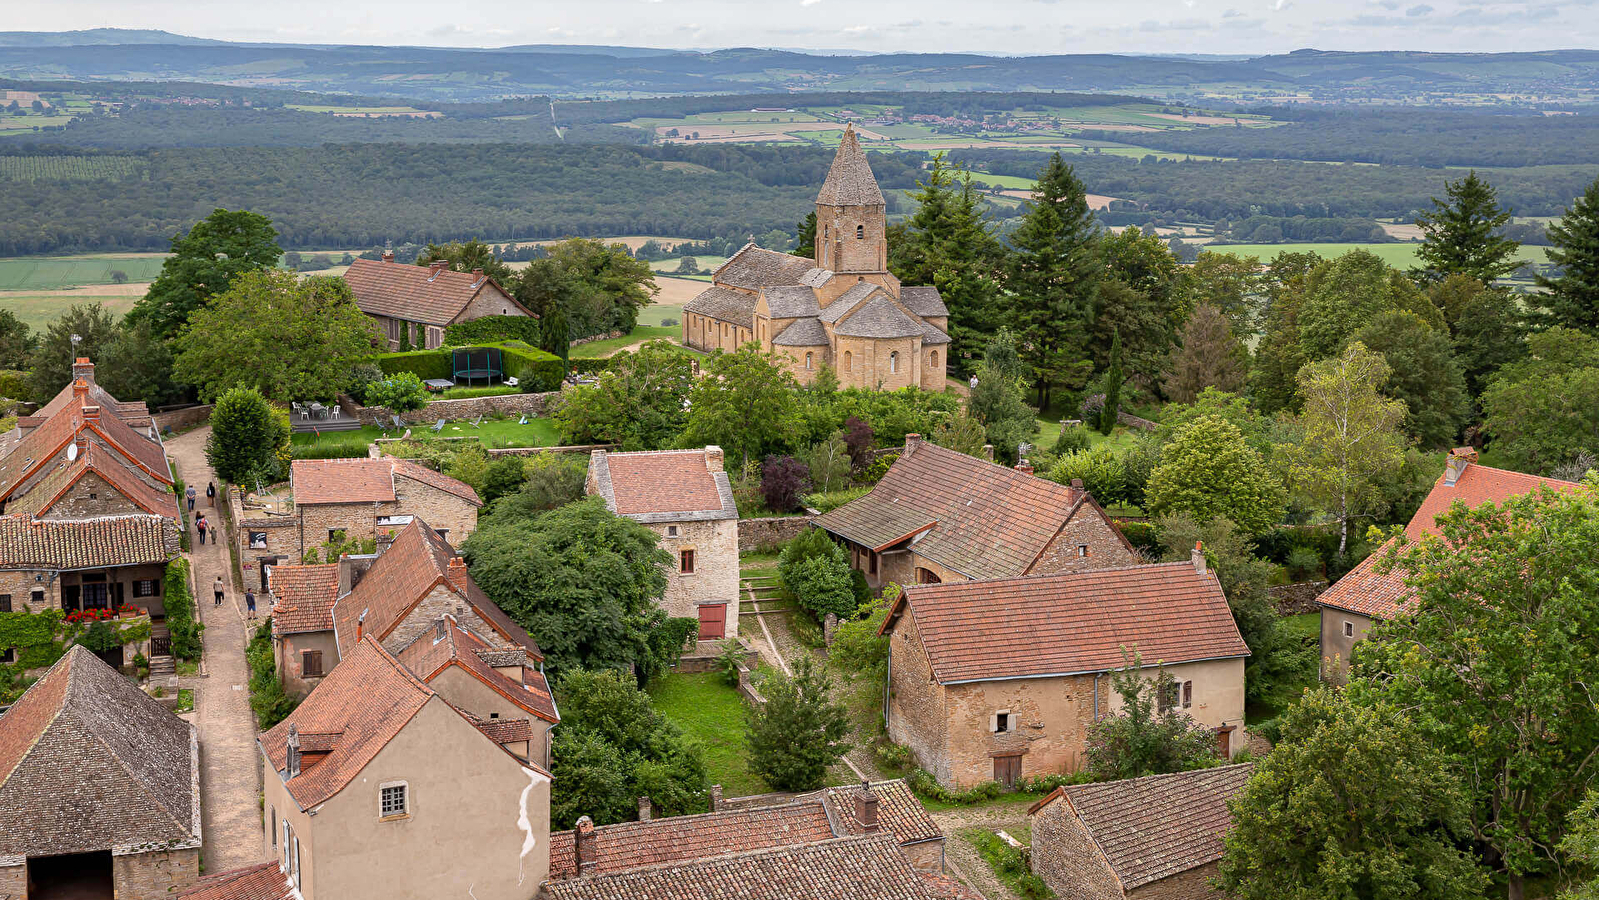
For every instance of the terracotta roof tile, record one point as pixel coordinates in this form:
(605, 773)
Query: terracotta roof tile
(633, 845)
(404, 468)
(105, 463)
(28, 543)
(724, 305)
(987, 521)
(417, 293)
(46, 442)
(850, 181)
(663, 484)
(898, 811)
(753, 268)
(854, 868)
(1369, 592)
(1071, 622)
(428, 655)
(88, 762)
(341, 481)
(1162, 825)
(303, 598)
(505, 731)
(262, 881)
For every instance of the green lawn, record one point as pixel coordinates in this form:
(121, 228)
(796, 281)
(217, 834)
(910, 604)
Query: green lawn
(711, 713)
(1306, 626)
(1120, 438)
(493, 433)
(597, 349)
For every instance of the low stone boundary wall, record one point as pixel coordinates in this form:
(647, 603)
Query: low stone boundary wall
(1132, 421)
(756, 533)
(493, 452)
(1293, 599)
(609, 335)
(182, 418)
(466, 408)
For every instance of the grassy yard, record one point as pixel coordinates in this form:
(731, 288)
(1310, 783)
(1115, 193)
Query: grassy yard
(711, 713)
(1120, 438)
(598, 349)
(1306, 626)
(493, 433)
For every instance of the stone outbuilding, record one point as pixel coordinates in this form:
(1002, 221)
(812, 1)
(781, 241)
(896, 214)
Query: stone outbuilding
(367, 499)
(1367, 595)
(1000, 680)
(685, 497)
(1153, 838)
(939, 515)
(424, 300)
(99, 789)
(842, 308)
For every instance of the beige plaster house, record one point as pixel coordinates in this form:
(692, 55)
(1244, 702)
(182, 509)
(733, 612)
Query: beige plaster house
(422, 301)
(841, 309)
(685, 497)
(999, 680)
(939, 515)
(1154, 838)
(364, 499)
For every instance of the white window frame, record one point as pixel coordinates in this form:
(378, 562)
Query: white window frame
(1010, 722)
(1349, 628)
(405, 800)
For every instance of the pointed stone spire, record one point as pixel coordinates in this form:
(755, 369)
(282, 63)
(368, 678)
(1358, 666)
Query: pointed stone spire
(850, 181)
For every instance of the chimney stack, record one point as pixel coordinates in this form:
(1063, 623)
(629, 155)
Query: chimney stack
(1024, 467)
(458, 576)
(80, 390)
(442, 631)
(912, 441)
(988, 452)
(643, 809)
(477, 275)
(439, 265)
(292, 763)
(716, 798)
(346, 578)
(714, 458)
(1459, 459)
(586, 847)
(1198, 556)
(388, 251)
(91, 414)
(866, 807)
(360, 627)
(82, 368)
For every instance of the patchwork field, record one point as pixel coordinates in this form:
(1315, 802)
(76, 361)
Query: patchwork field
(1399, 255)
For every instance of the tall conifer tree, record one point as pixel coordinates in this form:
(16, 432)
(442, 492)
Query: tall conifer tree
(1573, 298)
(1462, 234)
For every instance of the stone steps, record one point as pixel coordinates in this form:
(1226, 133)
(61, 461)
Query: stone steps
(162, 665)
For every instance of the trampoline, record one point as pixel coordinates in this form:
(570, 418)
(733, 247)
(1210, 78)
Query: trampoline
(473, 363)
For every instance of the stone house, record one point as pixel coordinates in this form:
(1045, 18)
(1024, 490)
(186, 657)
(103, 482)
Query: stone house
(842, 309)
(1153, 838)
(365, 499)
(99, 789)
(939, 515)
(1366, 596)
(424, 299)
(685, 497)
(377, 787)
(971, 713)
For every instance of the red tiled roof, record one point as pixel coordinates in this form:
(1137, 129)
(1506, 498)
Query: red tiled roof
(303, 598)
(427, 656)
(980, 519)
(262, 881)
(417, 293)
(1071, 622)
(28, 543)
(104, 463)
(49, 440)
(898, 811)
(1158, 826)
(505, 731)
(341, 481)
(1369, 592)
(947, 887)
(634, 845)
(662, 481)
(404, 468)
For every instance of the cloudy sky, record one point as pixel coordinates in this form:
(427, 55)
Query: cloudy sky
(996, 26)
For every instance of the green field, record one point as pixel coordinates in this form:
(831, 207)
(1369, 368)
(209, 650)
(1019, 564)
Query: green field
(1400, 256)
(54, 273)
(37, 311)
(68, 168)
(707, 265)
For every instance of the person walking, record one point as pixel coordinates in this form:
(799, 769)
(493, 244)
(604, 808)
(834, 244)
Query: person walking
(189, 494)
(249, 604)
(211, 494)
(200, 525)
(217, 589)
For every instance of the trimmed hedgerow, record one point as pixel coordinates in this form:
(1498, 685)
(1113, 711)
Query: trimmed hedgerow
(490, 329)
(425, 363)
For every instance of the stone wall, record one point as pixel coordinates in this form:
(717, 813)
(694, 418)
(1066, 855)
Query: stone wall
(1066, 857)
(468, 408)
(715, 576)
(177, 419)
(1293, 599)
(916, 713)
(1088, 541)
(1193, 884)
(754, 534)
(154, 875)
(14, 881)
(609, 335)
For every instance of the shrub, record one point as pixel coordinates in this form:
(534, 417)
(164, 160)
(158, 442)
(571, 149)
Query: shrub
(816, 571)
(1072, 439)
(798, 732)
(1101, 471)
(332, 446)
(247, 437)
(1142, 535)
(424, 364)
(783, 478)
(877, 468)
(359, 377)
(398, 393)
(927, 787)
(892, 757)
(1303, 562)
(589, 366)
(668, 323)
(181, 621)
(267, 698)
(535, 370)
(13, 384)
(729, 660)
(489, 329)
(859, 439)
(831, 500)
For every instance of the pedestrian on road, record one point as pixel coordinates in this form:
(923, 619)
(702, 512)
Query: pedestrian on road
(211, 493)
(249, 604)
(200, 524)
(217, 588)
(190, 495)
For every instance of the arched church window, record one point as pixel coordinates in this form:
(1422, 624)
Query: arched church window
(860, 232)
(932, 359)
(893, 362)
(808, 361)
(849, 361)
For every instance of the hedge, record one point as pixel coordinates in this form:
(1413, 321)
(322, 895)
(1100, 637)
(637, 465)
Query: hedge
(534, 370)
(589, 366)
(425, 363)
(489, 329)
(181, 620)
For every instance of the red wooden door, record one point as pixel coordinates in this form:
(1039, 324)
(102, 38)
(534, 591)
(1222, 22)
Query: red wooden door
(1224, 743)
(713, 621)
(1007, 769)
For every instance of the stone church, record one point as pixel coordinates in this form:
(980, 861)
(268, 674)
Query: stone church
(843, 308)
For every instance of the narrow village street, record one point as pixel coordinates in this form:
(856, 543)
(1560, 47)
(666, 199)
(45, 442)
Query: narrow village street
(230, 782)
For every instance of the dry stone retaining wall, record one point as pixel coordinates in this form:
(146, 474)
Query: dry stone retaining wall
(1292, 599)
(183, 418)
(467, 408)
(756, 533)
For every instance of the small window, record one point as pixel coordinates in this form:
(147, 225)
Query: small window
(860, 232)
(849, 361)
(335, 535)
(1168, 697)
(145, 588)
(392, 801)
(311, 664)
(273, 810)
(1002, 721)
(808, 358)
(671, 531)
(5, 603)
(687, 562)
(1349, 629)
(893, 362)
(1188, 694)
(442, 533)
(1082, 551)
(94, 495)
(871, 561)
(932, 359)
(37, 598)
(8, 655)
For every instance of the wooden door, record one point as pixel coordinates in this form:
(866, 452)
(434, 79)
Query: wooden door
(713, 621)
(1007, 769)
(1224, 742)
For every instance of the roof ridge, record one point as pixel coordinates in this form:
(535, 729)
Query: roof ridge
(153, 794)
(1514, 472)
(66, 693)
(1044, 576)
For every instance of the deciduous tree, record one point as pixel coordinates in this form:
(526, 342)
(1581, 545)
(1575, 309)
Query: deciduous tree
(745, 404)
(1149, 734)
(204, 263)
(1540, 410)
(1210, 471)
(51, 361)
(1423, 373)
(465, 256)
(640, 402)
(248, 438)
(799, 731)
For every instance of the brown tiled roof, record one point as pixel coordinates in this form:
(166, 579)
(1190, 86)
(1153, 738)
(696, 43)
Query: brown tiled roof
(404, 468)
(88, 762)
(505, 731)
(634, 845)
(753, 268)
(417, 293)
(724, 305)
(853, 868)
(923, 300)
(850, 181)
(104, 463)
(49, 440)
(1158, 826)
(982, 520)
(878, 318)
(947, 887)
(663, 483)
(898, 811)
(28, 543)
(262, 881)
(1070, 622)
(303, 598)
(133, 412)
(427, 656)
(341, 481)
(1368, 591)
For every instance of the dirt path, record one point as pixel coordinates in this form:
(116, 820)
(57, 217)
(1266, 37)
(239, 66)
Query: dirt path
(962, 857)
(230, 780)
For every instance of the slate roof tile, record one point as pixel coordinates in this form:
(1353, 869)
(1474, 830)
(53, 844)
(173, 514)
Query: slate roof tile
(849, 180)
(802, 333)
(923, 300)
(879, 318)
(724, 305)
(753, 268)
(791, 301)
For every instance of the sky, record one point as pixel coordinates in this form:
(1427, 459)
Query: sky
(1020, 27)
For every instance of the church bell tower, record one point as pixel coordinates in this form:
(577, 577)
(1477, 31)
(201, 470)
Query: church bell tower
(851, 217)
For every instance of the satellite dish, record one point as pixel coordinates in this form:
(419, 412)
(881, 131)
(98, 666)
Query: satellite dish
(72, 452)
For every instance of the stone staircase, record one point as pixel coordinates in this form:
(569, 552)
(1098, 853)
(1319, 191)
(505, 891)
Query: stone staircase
(162, 667)
(761, 595)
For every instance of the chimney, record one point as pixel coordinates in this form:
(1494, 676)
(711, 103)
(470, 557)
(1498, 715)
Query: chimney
(346, 574)
(716, 798)
(439, 265)
(91, 414)
(360, 627)
(292, 764)
(1024, 467)
(1459, 459)
(586, 846)
(643, 809)
(866, 807)
(988, 452)
(80, 390)
(1077, 487)
(713, 458)
(388, 251)
(458, 576)
(82, 368)
(1198, 556)
(441, 631)
(477, 275)
(912, 441)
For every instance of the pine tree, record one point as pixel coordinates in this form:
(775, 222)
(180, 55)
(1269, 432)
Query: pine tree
(1053, 277)
(1113, 386)
(806, 237)
(1210, 356)
(947, 244)
(1573, 298)
(1462, 234)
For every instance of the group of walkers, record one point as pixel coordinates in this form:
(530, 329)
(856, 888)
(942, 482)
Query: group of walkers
(201, 526)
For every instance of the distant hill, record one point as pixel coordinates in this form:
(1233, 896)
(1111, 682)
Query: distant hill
(96, 37)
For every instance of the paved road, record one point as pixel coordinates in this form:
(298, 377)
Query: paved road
(230, 780)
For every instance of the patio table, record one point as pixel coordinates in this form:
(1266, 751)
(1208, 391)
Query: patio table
(438, 384)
